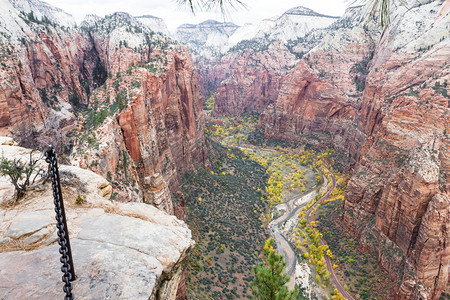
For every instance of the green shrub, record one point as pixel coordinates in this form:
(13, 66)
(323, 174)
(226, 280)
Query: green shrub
(19, 173)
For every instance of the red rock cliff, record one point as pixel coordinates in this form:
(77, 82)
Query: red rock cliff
(319, 102)
(246, 79)
(125, 97)
(157, 132)
(44, 68)
(396, 133)
(161, 128)
(401, 184)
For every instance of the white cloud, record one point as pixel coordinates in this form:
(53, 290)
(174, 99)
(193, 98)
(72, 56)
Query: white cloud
(174, 15)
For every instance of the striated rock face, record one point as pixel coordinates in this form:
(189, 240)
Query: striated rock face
(131, 250)
(181, 293)
(157, 193)
(383, 100)
(254, 79)
(44, 68)
(401, 182)
(121, 99)
(247, 65)
(430, 254)
(160, 130)
(319, 102)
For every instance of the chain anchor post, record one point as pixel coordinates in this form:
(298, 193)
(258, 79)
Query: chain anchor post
(63, 231)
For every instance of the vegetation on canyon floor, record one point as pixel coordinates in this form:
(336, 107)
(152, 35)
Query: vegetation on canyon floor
(357, 269)
(244, 187)
(224, 206)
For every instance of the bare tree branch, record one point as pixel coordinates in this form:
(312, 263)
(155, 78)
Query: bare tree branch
(194, 5)
(19, 173)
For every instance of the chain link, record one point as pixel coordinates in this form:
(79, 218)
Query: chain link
(61, 225)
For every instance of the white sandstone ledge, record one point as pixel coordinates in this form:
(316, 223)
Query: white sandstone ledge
(120, 250)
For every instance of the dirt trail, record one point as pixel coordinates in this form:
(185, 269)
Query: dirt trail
(328, 261)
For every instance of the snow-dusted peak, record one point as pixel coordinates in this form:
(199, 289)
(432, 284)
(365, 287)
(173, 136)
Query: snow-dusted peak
(207, 38)
(304, 11)
(211, 37)
(90, 20)
(301, 10)
(250, 31)
(352, 17)
(122, 29)
(118, 20)
(297, 22)
(415, 28)
(42, 9)
(291, 25)
(154, 23)
(210, 25)
(119, 16)
(12, 27)
(22, 21)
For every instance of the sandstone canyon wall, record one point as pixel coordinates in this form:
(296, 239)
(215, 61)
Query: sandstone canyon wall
(252, 80)
(161, 123)
(246, 66)
(382, 98)
(117, 97)
(43, 65)
(319, 101)
(398, 199)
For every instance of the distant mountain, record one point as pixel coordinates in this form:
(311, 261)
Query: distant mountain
(151, 23)
(42, 9)
(154, 23)
(261, 57)
(291, 25)
(297, 22)
(207, 38)
(304, 11)
(90, 20)
(212, 38)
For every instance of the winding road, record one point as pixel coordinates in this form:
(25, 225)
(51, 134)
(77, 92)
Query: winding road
(293, 208)
(286, 248)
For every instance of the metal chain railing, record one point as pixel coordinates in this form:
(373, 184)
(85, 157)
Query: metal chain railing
(63, 232)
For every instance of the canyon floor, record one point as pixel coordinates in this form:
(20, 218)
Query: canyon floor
(232, 210)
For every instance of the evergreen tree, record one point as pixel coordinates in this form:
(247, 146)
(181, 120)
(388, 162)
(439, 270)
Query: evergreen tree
(270, 280)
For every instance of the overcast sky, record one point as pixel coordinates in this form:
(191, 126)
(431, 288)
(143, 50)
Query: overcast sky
(175, 15)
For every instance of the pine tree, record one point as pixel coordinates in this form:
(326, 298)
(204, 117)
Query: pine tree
(270, 280)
